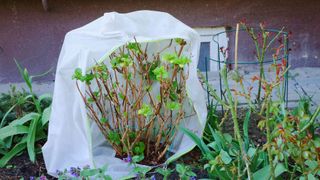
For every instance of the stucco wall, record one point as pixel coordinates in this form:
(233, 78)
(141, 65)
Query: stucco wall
(34, 37)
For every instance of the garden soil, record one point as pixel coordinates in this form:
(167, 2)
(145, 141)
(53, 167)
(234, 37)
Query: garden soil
(21, 167)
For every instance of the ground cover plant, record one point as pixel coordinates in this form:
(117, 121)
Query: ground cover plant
(137, 101)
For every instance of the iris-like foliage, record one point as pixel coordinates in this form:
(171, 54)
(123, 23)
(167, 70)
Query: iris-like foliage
(25, 121)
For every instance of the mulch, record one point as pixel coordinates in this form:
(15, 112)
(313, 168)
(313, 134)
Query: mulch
(21, 167)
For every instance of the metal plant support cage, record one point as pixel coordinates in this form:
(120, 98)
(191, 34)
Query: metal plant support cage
(220, 61)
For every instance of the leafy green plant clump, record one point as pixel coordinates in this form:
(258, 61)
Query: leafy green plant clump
(136, 98)
(291, 149)
(23, 121)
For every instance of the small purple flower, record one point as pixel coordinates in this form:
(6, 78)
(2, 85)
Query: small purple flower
(153, 177)
(193, 178)
(43, 177)
(75, 171)
(128, 159)
(59, 173)
(32, 178)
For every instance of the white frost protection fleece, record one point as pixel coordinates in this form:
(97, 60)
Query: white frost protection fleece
(74, 140)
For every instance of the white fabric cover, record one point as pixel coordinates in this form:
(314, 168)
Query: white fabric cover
(73, 139)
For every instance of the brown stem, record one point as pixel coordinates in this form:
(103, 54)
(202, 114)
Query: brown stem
(96, 119)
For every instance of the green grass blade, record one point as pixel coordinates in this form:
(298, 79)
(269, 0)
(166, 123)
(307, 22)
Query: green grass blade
(13, 130)
(44, 96)
(25, 75)
(13, 152)
(43, 74)
(264, 173)
(31, 139)
(19, 67)
(246, 124)
(46, 115)
(223, 175)
(199, 142)
(218, 138)
(27, 97)
(6, 143)
(246, 128)
(5, 116)
(25, 119)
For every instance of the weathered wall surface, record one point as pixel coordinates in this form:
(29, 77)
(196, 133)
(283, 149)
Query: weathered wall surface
(34, 37)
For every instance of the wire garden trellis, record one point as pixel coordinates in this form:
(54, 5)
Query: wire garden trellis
(229, 62)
